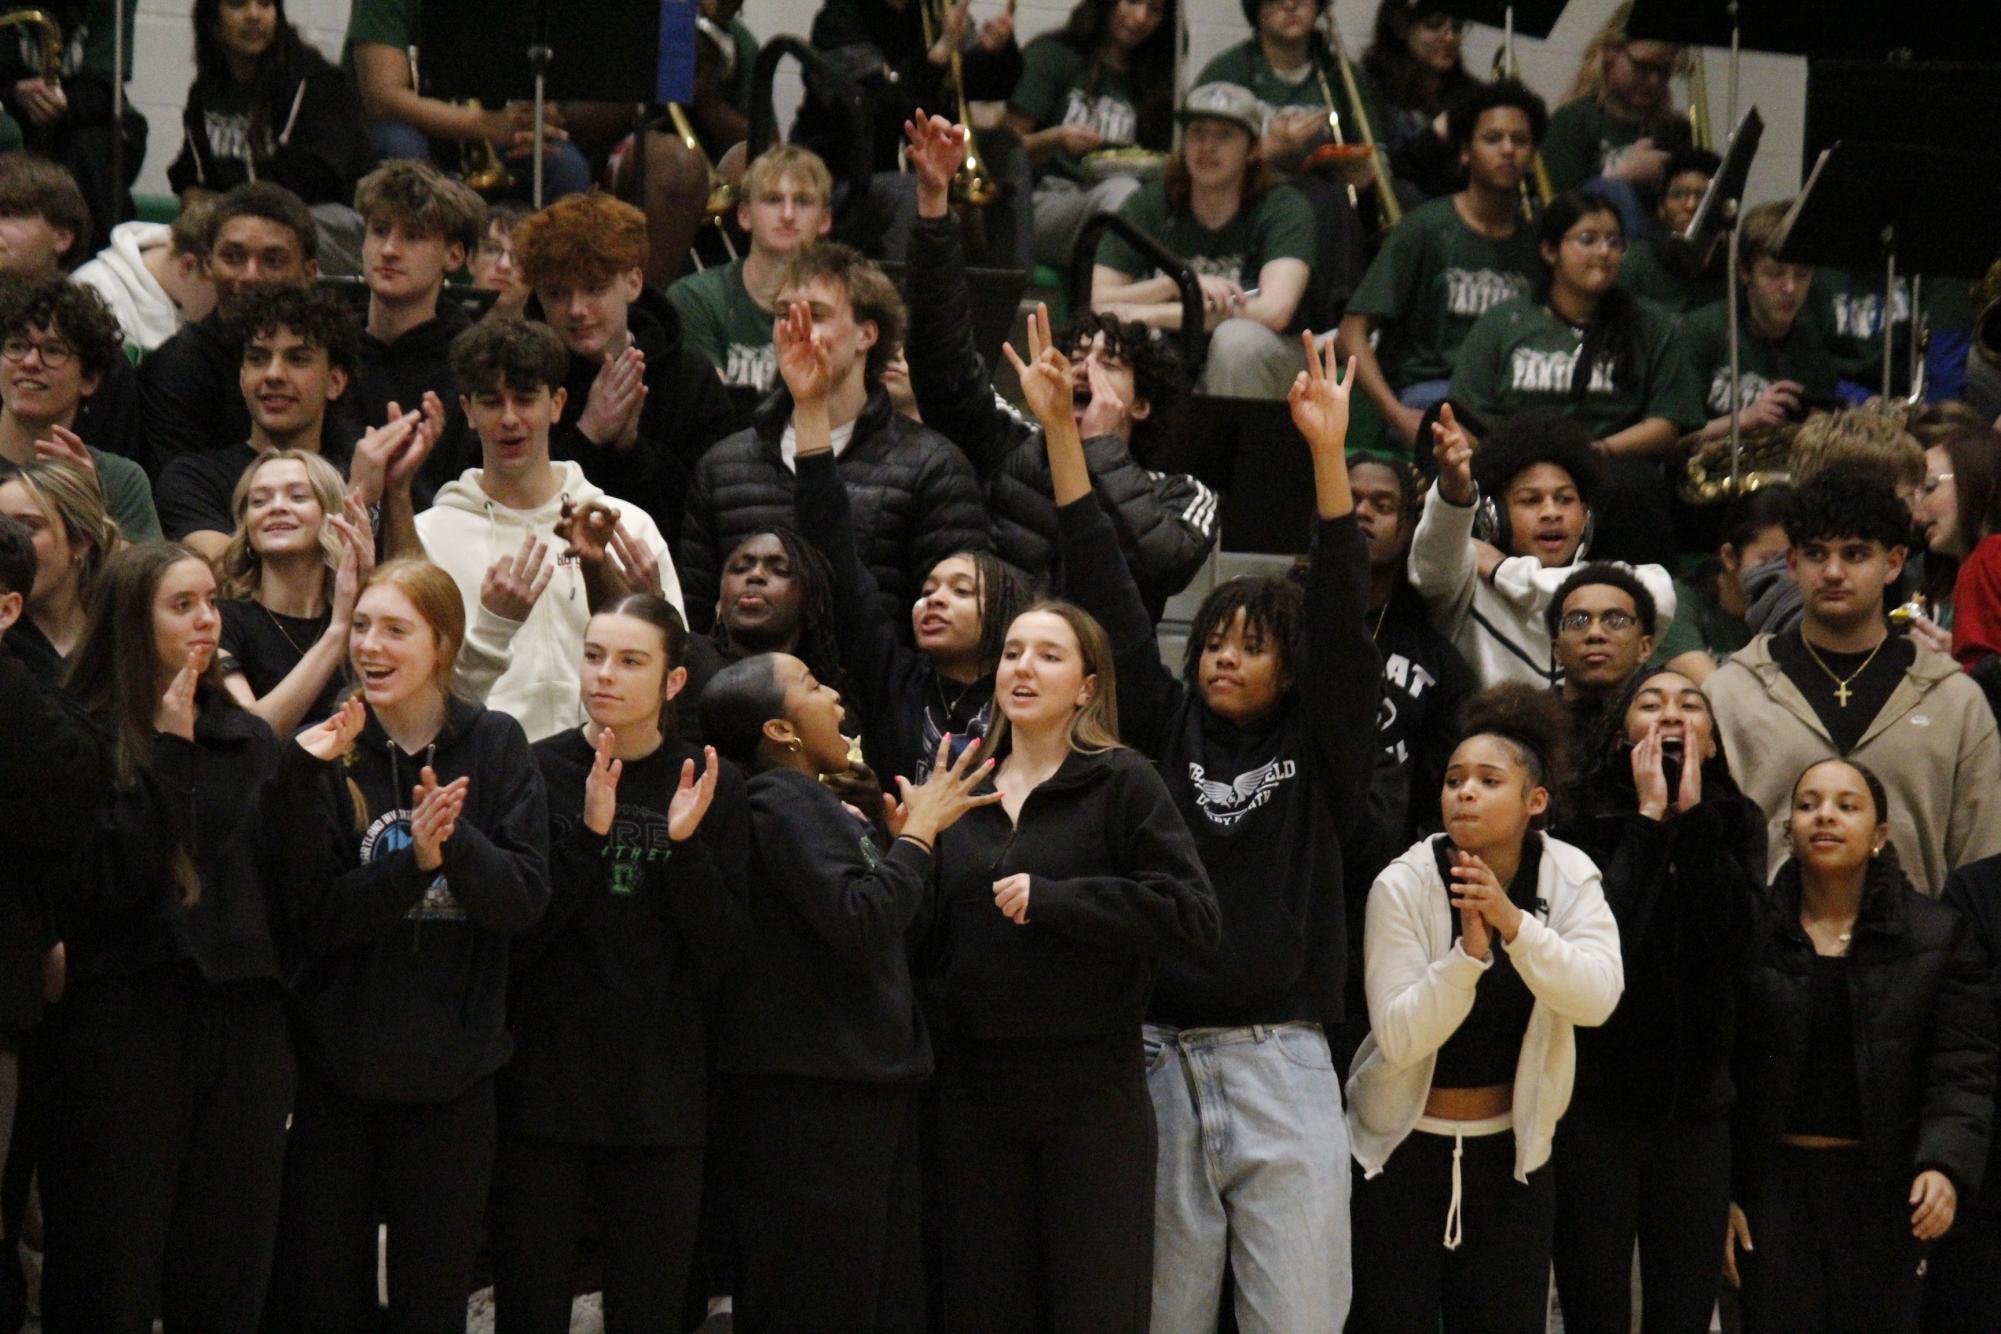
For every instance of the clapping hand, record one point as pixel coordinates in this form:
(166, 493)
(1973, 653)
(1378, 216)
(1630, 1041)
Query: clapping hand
(332, 739)
(618, 395)
(691, 799)
(601, 786)
(435, 816)
(1484, 906)
(175, 715)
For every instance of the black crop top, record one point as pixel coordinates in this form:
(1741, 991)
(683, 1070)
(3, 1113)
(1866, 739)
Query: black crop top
(1485, 1048)
(1827, 1099)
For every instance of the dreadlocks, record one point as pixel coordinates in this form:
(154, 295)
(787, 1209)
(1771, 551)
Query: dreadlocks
(817, 646)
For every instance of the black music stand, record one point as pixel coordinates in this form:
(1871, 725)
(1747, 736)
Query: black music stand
(1528, 18)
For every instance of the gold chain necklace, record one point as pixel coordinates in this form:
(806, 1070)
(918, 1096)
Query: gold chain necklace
(1841, 690)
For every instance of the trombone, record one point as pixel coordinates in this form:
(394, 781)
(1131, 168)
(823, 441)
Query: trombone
(1388, 207)
(972, 183)
(1505, 67)
(722, 195)
(1700, 132)
(49, 57)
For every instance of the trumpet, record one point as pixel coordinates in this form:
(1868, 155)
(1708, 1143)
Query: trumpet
(480, 165)
(49, 60)
(972, 183)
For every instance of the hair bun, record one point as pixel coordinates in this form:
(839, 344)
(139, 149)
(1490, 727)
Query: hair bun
(1527, 715)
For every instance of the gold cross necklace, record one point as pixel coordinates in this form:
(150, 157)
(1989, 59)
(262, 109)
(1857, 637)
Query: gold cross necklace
(1841, 691)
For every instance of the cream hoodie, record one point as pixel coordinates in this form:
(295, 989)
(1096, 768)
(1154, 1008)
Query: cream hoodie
(119, 274)
(526, 668)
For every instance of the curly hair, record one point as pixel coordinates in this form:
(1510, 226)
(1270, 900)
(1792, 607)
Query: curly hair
(423, 199)
(1612, 576)
(586, 239)
(817, 645)
(78, 313)
(1462, 118)
(1158, 375)
(1538, 435)
(1531, 720)
(871, 295)
(33, 187)
(1274, 610)
(1846, 501)
(271, 202)
(523, 355)
(317, 316)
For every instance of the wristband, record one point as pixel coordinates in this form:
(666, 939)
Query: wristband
(918, 841)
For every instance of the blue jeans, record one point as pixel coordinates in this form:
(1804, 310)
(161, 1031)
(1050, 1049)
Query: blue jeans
(1424, 394)
(564, 172)
(1254, 1173)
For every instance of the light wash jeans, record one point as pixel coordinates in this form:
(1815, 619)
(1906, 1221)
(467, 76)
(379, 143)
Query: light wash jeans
(1253, 1173)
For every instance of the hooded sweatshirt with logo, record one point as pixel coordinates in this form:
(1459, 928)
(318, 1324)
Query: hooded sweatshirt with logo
(526, 668)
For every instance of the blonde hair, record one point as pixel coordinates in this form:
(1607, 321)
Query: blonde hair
(1591, 64)
(774, 164)
(1094, 728)
(240, 566)
(72, 497)
(1858, 437)
(1758, 233)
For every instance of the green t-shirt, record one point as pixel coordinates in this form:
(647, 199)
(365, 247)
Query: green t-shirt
(128, 496)
(1278, 226)
(1245, 64)
(1647, 272)
(1431, 280)
(1519, 356)
(719, 320)
(1699, 624)
(390, 22)
(743, 75)
(1802, 356)
(1584, 141)
(1059, 87)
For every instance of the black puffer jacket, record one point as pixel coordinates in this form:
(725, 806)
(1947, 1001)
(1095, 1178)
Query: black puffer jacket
(1924, 1034)
(1166, 522)
(915, 501)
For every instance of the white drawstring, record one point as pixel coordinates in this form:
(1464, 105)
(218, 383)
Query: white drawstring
(1455, 1216)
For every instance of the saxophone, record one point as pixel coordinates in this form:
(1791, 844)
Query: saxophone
(51, 54)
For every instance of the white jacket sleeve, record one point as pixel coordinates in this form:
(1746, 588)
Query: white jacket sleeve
(1572, 963)
(1443, 567)
(1415, 1002)
(488, 649)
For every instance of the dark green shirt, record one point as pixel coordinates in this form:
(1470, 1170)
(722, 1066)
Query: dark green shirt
(390, 22)
(1245, 64)
(1699, 623)
(1060, 87)
(720, 321)
(1648, 272)
(1519, 356)
(1431, 280)
(1278, 226)
(1585, 141)
(1802, 356)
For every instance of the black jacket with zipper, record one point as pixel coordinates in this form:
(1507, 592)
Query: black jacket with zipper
(1975, 891)
(1115, 887)
(612, 989)
(1270, 803)
(313, 125)
(405, 995)
(1924, 1034)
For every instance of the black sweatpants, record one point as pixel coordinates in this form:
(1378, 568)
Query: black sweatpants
(1047, 1154)
(646, 1198)
(420, 1167)
(1832, 1251)
(1496, 1282)
(1618, 1179)
(1963, 1275)
(165, 1148)
(826, 1205)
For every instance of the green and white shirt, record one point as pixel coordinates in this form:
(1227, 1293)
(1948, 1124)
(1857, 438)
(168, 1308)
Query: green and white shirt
(719, 320)
(1060, 87)
(1802, 356)
(1279, 225)
(1519, 356)
(1432, 279)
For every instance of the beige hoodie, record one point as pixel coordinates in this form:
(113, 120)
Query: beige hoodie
(526, 668)
(1933, 745)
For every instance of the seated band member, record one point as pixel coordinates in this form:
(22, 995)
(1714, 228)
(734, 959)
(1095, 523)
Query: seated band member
(726, 309)
(1249, 238)
(1449, 260)
(1290, 68)
(1654, 268)
(1416, 69)
(1620, 126)
(67, 120)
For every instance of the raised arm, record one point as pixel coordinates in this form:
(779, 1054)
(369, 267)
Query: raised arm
(1443, 563)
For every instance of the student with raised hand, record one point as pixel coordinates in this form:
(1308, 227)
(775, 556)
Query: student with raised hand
(63, 510)
(824, 1042)
(1644, 1151)
(1866, 1069)
(1487, 946)
(167, 1135)
(290, 575)
(441, 832)
(1268, 745)
(604, 1107)
(908, 698)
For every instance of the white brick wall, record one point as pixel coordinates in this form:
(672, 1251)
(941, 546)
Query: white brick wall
(1777, 84)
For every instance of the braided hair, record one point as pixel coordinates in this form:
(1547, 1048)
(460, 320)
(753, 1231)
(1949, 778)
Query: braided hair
(817, 645)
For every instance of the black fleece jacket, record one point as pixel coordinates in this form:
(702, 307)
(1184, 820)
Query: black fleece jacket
(916, 496)
(686, 411)
(1115, 888)
(243, 807)
(401, 372)
(1687, 892)
(191, 399)
(1924, 1035)
(1975, 891)
(405, 995)
(1166, 522)
(1269, 803)
(824, 991)
(313, 124)
(611, 991)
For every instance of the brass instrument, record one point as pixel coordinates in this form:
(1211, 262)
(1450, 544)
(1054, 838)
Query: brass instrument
(51, 61)
(1388, 207)
(480, 164)
(1701, 134)
(1987, 324)
(972, 183)
(722, 198)
(1765, 458)
(1537, 198)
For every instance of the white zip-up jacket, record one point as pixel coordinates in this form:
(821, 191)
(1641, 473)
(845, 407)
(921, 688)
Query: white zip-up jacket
(1497, 624)
(1420, 987)
(526, 668)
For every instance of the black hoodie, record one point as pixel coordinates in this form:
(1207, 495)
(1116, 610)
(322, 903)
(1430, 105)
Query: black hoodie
(611, 988)
(400, 373)
(1269, 804)
(824, 991)
(687, 410)
(405, 996)
(312, 139)
(1115, 885)
(1975, 890)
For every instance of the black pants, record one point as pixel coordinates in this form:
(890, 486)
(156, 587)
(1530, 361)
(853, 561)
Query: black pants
(646, 1199)
(1963, 1276)
(1619, 1179)
(826, 1205)
(1495, 1282)
(166, 1144)
(1047, 1154)
(1832, 1249)
(420, 1167)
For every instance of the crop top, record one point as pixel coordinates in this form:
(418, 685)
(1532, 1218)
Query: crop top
(1487, 1045)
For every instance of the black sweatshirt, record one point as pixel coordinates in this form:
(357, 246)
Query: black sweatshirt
(400, 373)
(1115, 886)
(405, 998)
(1269, 804)
(612, 987)
(191, 398)
(824, 991)
(309, 135)
(1975, 890)
(243, 806)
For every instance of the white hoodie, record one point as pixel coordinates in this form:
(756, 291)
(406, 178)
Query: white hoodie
(145, 312)
(526, 668)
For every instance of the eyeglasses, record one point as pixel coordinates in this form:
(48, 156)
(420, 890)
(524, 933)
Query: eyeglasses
(1613, 241)
(1615, 621)
(55, 353)
(1935, 481)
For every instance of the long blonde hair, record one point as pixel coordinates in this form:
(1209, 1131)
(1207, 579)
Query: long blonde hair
(1094, 728)
(72, 497)
(240, 567)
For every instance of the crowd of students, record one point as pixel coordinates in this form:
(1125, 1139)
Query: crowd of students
(480, 802)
